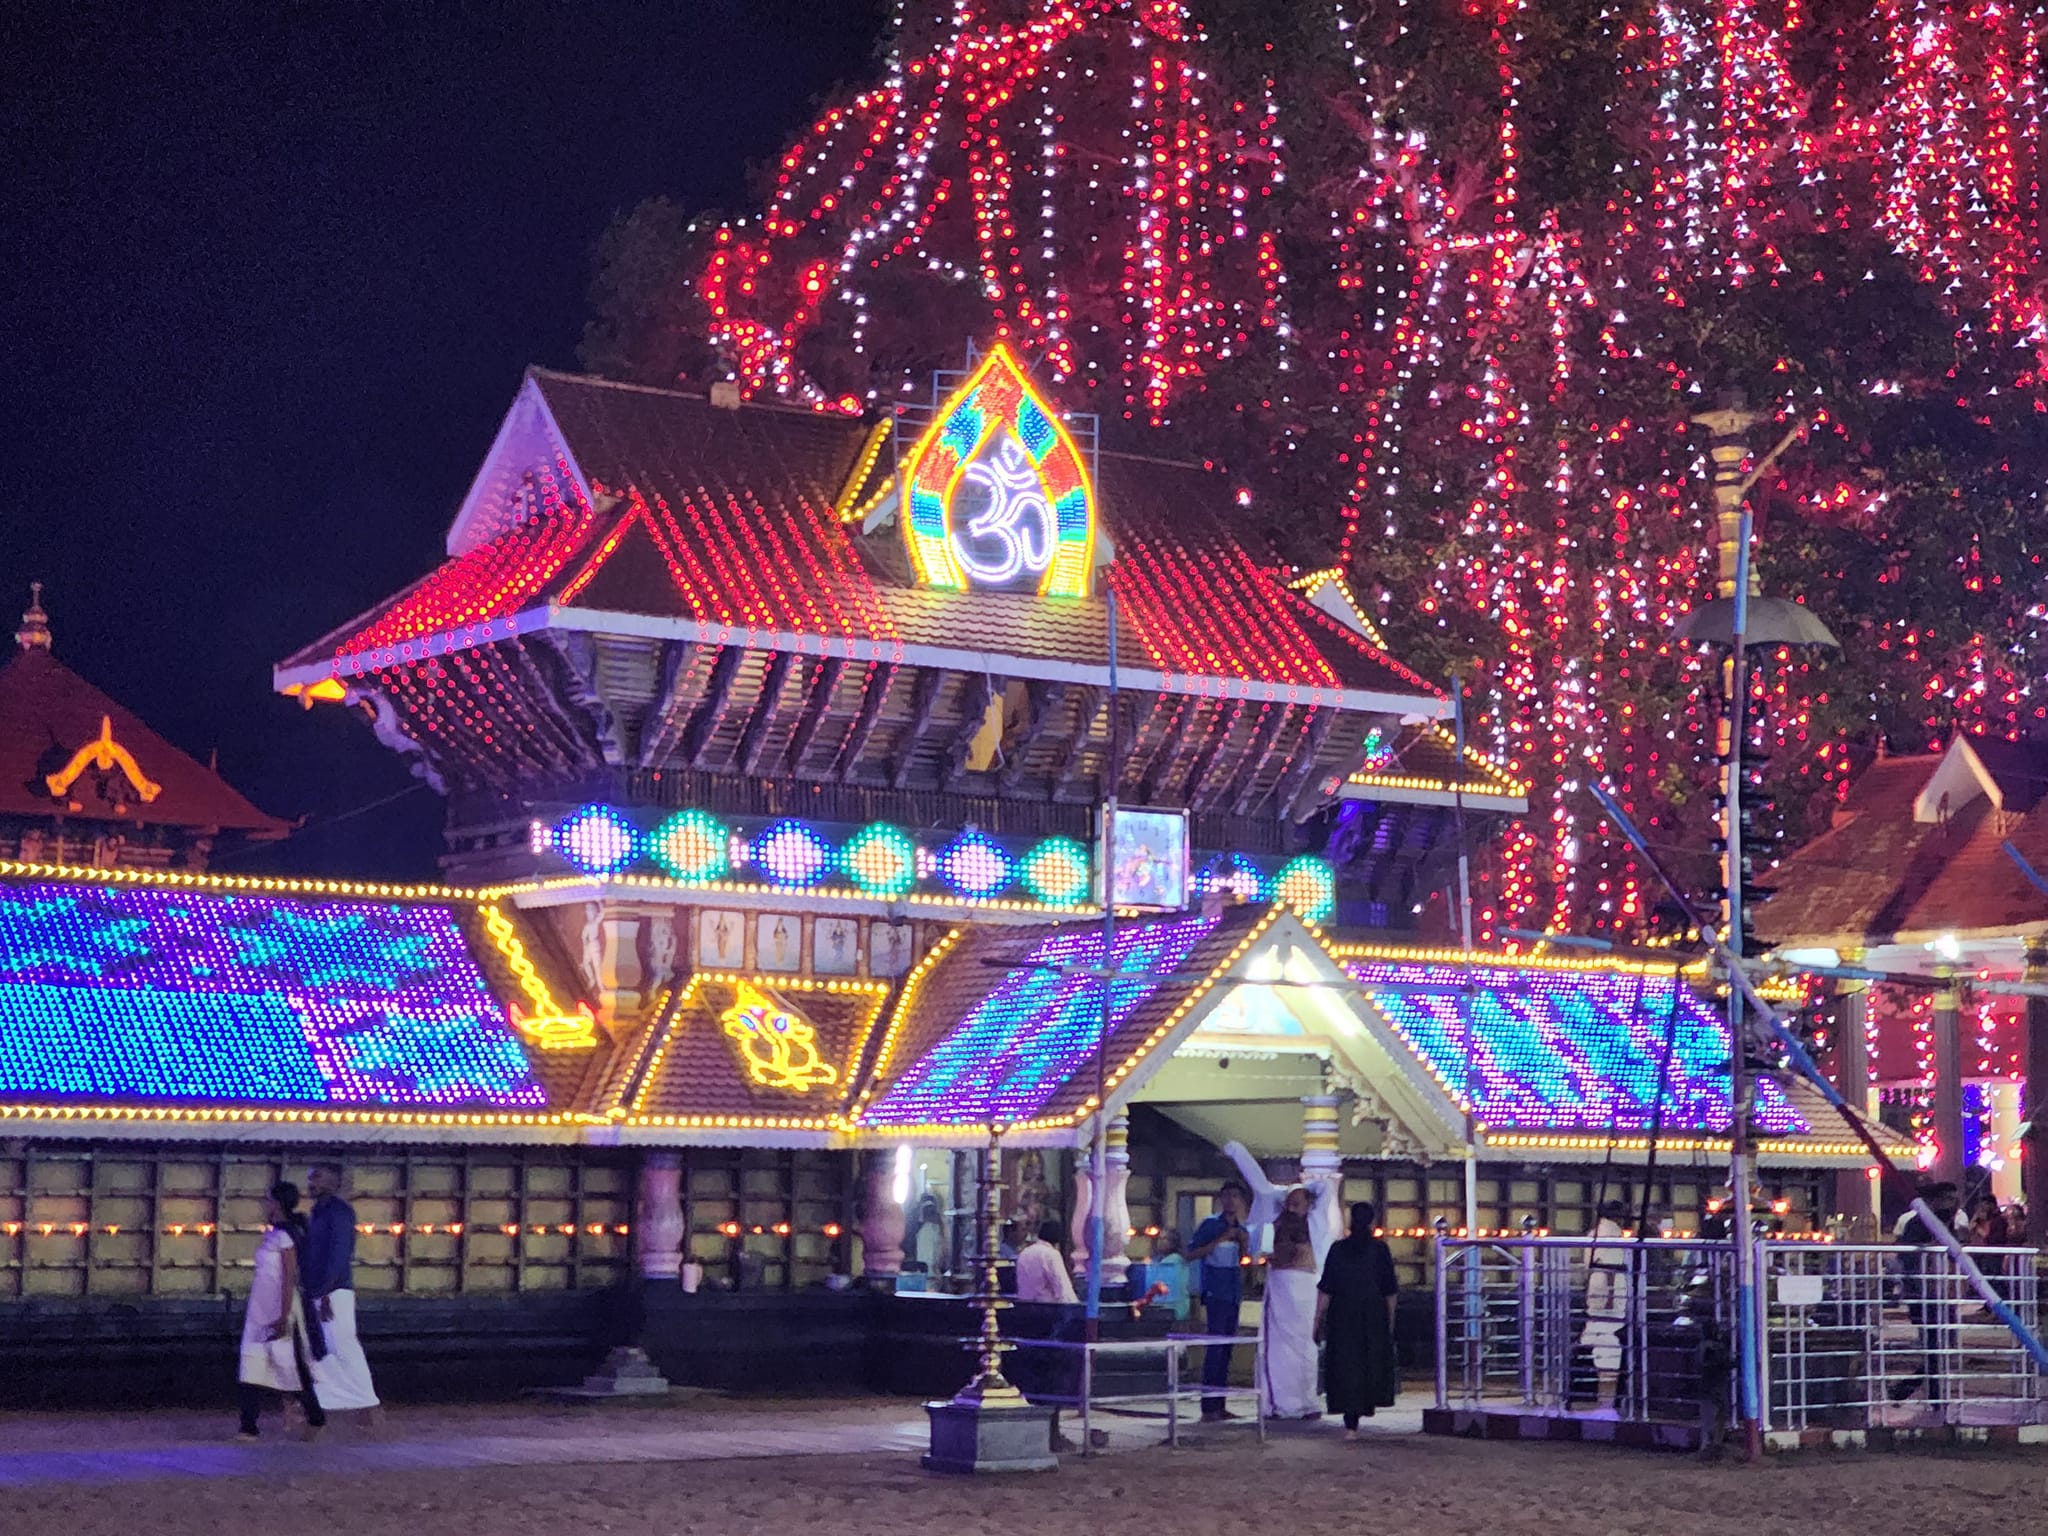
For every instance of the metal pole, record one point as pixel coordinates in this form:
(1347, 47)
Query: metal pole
(1111, 771)
(1465, 936)
(1738, 1064)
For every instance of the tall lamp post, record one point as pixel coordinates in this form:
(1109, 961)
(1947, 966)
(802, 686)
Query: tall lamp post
(1737, 616)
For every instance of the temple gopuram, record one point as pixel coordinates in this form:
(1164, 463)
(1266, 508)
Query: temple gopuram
(778, 750)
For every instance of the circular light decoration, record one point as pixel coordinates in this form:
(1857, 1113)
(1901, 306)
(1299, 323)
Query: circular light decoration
(1056, 871)
(791, 854)
(881, 860)
(693, 846)
(1233, 874)
(597, 840)
(974, 864)
(1309, 885)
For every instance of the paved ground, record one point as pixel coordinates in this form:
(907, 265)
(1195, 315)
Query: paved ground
(45, 1449)
(531, 1470)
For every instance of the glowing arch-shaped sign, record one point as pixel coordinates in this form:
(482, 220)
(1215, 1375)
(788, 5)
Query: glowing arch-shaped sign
(998, 495)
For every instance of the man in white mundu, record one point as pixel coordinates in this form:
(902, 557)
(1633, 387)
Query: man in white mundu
(341, 1376)
(1302, 1220)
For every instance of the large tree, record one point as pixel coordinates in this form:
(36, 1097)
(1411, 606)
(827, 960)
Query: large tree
(1441, 284)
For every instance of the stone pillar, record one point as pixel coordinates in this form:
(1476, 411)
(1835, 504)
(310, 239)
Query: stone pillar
(1322, 1171)
(658, 1230)
(610, 960)
(2034, 1100)
(1855, 1190)
(881, 1221)
(1948, 1084)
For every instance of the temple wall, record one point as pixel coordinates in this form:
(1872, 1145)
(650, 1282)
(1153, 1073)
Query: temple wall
(83, 1220)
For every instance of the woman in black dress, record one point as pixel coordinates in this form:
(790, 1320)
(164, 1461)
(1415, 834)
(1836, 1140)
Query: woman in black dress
(1355, 1318)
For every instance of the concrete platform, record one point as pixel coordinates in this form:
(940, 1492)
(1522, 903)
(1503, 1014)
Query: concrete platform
(1590, 1429)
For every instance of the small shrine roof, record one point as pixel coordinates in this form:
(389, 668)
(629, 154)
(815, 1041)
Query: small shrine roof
(766, 1051)
(52, 725)
(1004, 1025)
(662, 513)
(1917, 849)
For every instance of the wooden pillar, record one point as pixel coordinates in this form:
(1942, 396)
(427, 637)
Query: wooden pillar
(1948, 1084)
(881, 1220)
(1855, 1190)
(658, 1216)
(2034, 1100)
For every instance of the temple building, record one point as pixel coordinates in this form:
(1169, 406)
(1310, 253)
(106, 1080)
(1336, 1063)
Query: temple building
(780, 753)
(1933, 873)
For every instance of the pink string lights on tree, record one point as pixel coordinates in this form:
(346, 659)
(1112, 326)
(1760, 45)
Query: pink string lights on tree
(1442, 294)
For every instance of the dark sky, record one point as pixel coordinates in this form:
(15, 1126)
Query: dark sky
(268, 277)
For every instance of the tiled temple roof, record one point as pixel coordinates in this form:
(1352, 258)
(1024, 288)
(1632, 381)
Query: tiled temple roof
(48, 713)
(131, 995)
(271, 1008)
(1893, 864)
(1580, 1050)
(667, 507)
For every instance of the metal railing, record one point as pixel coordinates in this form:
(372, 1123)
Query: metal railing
(1567, 1325)
(1172, 1391)
(1851, 1336)
(1870, 1335)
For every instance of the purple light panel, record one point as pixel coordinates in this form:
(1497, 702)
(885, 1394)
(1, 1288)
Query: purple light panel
(1021, 1044)
(136, 993)
(792, 855)
(1568, 1050)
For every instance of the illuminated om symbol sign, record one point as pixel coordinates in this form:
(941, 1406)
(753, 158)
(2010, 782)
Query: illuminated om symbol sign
(1017, 524)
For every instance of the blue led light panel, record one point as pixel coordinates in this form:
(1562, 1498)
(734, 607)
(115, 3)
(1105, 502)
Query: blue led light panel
(1568, 1050)
(1017, 1047)
(134, 993)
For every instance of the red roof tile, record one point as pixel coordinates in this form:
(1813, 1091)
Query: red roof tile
(1879, 872)
(695, 1068)
(48, 712)
(727, 517)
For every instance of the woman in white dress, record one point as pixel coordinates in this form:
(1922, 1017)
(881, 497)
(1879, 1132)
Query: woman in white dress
(273, 1358)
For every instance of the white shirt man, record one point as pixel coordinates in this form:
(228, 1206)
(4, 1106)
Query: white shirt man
(1042, 1272)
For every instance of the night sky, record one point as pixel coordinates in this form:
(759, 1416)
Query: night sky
(271, 274)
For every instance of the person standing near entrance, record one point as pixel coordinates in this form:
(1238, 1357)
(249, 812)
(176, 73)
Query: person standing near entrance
(1220, 1246)
(1355, 1303)
(1607, 1297)
(341, 1375)
(1287, 1317)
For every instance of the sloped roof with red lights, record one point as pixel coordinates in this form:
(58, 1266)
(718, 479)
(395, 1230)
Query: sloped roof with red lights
(676, 512)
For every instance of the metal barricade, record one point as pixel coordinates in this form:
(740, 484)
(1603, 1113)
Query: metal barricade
(1565, 1325)
(1871, 1335)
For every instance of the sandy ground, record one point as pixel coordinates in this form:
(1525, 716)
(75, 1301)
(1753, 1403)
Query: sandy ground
(1303, 1485)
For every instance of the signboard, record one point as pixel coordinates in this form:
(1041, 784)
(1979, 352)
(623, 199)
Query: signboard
(1150, 852)
(1800, 1290)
